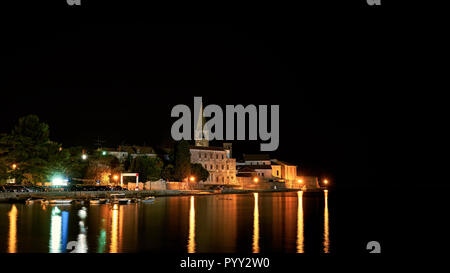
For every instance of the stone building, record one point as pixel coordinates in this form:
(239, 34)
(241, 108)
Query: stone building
(217, 161)
(266, 169)
(284, 171)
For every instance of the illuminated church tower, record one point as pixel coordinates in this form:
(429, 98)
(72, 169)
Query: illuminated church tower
(199, 136)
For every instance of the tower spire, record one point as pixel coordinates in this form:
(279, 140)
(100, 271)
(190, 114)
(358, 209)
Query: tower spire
(200, 136)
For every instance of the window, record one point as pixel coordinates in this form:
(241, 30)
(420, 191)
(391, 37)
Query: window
(228, 167)
(211, 167)
(217, 156)
(222, 157)
(223, 179)
(223, 167)
(278, 173)
(262, 174)
(217, 179)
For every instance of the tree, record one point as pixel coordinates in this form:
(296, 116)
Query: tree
(101, 167)
(77, 167)
(182, 159)
(36, 158)
(168, 172)
(149, 168)
(199, 172)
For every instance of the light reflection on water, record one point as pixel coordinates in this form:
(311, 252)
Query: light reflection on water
(12, 229)
(258, 222)
(191, 238)
(114, 229)
(55, 231)
(300, 227)
(326, 228)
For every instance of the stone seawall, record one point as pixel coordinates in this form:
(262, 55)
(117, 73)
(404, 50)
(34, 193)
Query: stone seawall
(22, 196)
(13, 197)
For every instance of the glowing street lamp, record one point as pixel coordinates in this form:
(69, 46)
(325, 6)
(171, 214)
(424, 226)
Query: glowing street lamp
(14, 166)
(325, 182)
(59, 181)
(104, 153)
(116, 177)
(192, 178)
(256, 179)
(300, 181)
(84, 156)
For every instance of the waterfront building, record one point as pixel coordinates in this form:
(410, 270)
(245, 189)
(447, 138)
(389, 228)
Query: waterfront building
(266, 169)
(217, 161)
(284, 171)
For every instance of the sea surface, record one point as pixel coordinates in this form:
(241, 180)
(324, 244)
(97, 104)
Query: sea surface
(276, 222)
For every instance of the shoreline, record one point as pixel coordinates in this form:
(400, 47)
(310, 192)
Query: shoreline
(20, 197)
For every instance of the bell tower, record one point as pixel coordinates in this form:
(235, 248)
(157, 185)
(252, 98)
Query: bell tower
(199, 136)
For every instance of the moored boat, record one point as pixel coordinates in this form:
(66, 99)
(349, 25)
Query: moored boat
(61, 201)
(149, 199)
(30, 201)
(119, 198)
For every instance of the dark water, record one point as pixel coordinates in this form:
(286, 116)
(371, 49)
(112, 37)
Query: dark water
(260, 222)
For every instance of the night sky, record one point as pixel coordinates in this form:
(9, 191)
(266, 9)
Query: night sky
(118, 82)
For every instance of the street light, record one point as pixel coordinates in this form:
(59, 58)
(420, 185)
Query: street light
(300, 181)
(14, 166)
(84, 156)
(325, 181)
(192, 178)
(104, 153)
(116, 177)
(256, 179)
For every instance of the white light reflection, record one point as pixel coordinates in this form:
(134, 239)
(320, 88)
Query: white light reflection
(55, 231)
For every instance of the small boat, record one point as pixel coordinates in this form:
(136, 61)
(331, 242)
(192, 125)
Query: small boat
(123, 201)
(98, 201)
(30, 201)
(149, 199)
(119, 198)
(61, 201)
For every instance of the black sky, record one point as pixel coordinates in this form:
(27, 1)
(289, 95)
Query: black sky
(120, 81)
